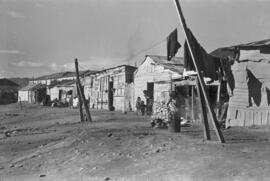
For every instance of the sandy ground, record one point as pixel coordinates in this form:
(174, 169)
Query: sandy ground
(43, 143)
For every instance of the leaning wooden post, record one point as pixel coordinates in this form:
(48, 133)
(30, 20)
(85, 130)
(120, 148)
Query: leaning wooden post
(82, 93)
(218, 98)
(80, 102)
(85, 103)
(192, 103)
(200, 79)
(206, 130)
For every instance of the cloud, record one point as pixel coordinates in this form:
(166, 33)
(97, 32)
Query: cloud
(27, 64)
(54, 66)
(11, 52)
(14, 14)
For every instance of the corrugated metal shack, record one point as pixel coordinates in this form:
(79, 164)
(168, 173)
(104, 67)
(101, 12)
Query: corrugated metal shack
(111, 88)
(250, 102)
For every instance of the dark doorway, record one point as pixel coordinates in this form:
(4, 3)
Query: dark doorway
(40, 95)
(150, 90)
(60, 95)
(110, 96)
(149, 98)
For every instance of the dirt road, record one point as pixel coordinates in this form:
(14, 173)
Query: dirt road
(43, 143)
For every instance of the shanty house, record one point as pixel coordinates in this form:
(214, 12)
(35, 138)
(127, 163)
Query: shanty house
(110, 88)
(250, 103)
(62, 90)
(156, 77)
(156, 69)
(32, 93)
(8, 91)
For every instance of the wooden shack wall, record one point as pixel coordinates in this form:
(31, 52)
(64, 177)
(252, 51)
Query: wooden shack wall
(149, 72)
(23, 96)
(249, 104)
(96, 88)
(119, 85)
(54, 93)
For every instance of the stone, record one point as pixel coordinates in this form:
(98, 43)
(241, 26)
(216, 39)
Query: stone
(8, 133)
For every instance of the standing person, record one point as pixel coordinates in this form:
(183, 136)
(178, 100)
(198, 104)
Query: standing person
(70, 101)
(149, 107)
(138, 105)
(174, 115)
(143, 106)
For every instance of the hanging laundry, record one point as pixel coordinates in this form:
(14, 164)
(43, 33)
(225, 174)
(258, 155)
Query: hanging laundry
(172, 44)
(206, 63)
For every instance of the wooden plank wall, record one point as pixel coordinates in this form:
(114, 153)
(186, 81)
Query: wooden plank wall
(150, 72)
(96, 87)
(248, 116)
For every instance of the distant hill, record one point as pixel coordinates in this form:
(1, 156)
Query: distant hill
(22, 82)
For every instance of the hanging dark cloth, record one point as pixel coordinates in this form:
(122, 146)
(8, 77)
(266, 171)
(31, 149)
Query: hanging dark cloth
(206, 63)
(227, 74)
(172, 44)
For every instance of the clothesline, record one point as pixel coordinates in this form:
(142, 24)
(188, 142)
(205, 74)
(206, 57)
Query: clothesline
(152, 46)
(143, 50)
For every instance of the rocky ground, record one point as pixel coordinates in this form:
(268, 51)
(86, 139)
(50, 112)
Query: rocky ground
(43, 143)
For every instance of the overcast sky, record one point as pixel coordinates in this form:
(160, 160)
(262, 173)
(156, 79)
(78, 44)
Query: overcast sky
(39, 37)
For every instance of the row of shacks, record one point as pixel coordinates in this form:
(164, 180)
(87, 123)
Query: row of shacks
(117, 88)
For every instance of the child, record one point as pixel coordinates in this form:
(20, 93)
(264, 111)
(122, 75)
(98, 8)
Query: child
(138, 105)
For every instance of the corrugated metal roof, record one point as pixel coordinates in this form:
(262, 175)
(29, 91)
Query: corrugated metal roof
(176, 64)
(229, 51)
(65, 74)
(66, 83)
(116, 67)
(256, 43)
(33, 87)
(57, 75)
(163, 60)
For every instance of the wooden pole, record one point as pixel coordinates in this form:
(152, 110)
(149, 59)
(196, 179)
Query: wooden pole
(218, 98)
(20, 103)
(205, 123)
(192, 103)
(201, 81)
(82, 93)
(86, 107)
(80, 103)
